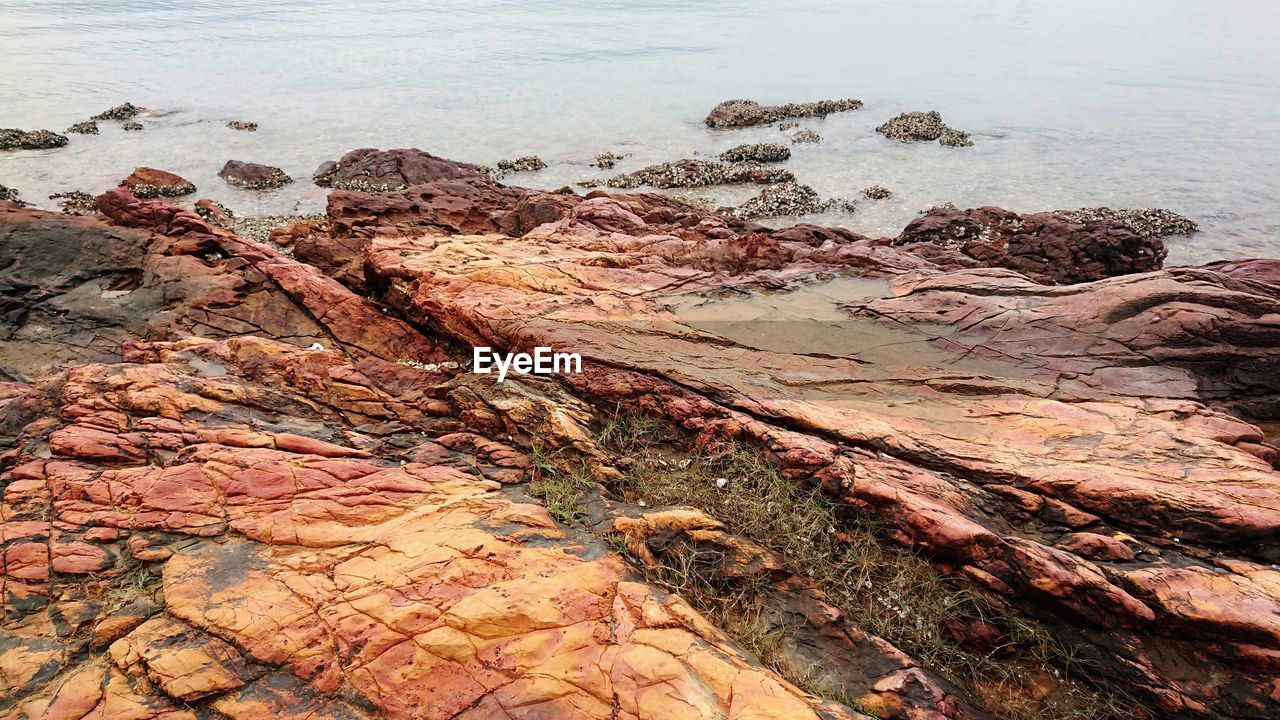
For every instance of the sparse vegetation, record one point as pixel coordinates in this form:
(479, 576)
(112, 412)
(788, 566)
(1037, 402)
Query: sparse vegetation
(562, 491)
(886, 590)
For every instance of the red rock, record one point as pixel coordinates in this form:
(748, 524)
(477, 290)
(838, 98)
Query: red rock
(148, 182)
(374, 170)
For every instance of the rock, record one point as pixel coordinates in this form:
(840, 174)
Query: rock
(88, 127)
(8, 194)
(756, 152)
(700, 173)
(788, 199)
(370, 170)
(346, 530)
(922, 126)
(146, 182)
(789, 125)
(745, 113)
(877, 192)
(215, 212)
(1045, 246)
(607, 160)
(1146, 222)
(131, 126)
(805, 137)
(127, 111)
(442, 593)
(253, 176)
(528, 163)
(76, 202)
(955, 138)
(1095, 547)
(243, 126)
(14, 139)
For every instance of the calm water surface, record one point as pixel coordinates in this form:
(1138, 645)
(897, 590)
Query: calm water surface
(1172, 103)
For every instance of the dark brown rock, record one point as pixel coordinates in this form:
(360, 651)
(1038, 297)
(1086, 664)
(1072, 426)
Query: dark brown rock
(1044, 246)
(253, 176)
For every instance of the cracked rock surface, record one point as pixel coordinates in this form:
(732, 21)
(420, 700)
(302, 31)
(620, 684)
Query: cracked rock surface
(242, 484)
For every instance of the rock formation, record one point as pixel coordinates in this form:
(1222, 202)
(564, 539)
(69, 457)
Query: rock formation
(244, 483)
(253, 176)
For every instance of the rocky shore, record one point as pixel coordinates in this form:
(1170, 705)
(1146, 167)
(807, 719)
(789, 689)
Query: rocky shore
(1021, 476)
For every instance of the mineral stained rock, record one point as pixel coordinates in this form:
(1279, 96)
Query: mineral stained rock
(1049, 247)
(253, 176)
(372, 170)
(745, 113)
(251, 527)
(1060, 411)
(145, 182)
(205, 512)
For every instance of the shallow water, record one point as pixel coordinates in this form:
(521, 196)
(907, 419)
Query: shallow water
(1171, 103)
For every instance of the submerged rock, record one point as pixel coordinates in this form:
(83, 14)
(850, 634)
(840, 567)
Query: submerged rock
(607, 160)
(146, 183)
(87, 127)
(1147, 222)
(745, 113)
(1049, 247)
(806, 136)
(76, 202)
(127, 111)
(243, 126)
(15, 139)
(8, 194)
(756, 152)
(253, 176)
(131, 126)
(528, 163)
(923, 126)
(700, 173)
(877, 192)
(788, 199)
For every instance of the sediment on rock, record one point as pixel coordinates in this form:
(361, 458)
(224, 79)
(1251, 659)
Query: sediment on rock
(745, 113)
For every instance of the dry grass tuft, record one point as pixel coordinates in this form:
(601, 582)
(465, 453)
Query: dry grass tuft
(883, 589)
